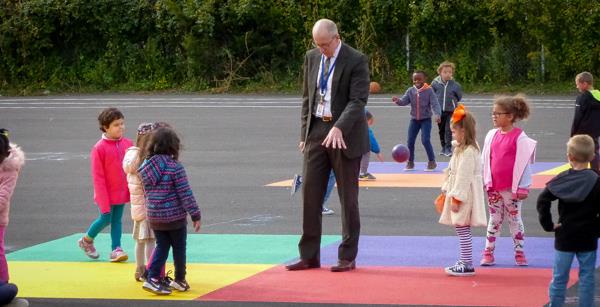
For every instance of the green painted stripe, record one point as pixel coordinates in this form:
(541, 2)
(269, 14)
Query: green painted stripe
(201, 248)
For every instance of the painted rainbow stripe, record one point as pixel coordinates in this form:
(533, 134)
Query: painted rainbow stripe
(232, 267)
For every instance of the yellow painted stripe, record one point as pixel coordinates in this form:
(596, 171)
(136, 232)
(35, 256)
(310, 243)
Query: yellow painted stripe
(556, 170)
(104, 280)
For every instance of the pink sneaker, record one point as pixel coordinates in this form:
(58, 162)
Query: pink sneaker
(88, 248)
(118, 255)
(488, 258)
(520, 259)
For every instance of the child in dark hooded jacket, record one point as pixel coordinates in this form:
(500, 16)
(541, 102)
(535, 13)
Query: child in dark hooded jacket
(577, 229)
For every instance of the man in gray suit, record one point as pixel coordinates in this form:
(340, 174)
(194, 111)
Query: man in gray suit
(333, 135)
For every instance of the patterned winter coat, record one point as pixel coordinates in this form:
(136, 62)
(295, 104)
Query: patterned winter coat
(169, 197)
(9, 172)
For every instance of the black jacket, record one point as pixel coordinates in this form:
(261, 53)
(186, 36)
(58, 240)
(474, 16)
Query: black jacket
(587, 115)
(578, 194)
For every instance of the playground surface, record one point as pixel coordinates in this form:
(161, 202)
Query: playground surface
(240, 154)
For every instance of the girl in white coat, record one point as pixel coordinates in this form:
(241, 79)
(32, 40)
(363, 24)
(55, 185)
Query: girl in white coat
(464, 204)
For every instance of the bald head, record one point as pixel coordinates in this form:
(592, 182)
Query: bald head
(324, 27)
(325, 36)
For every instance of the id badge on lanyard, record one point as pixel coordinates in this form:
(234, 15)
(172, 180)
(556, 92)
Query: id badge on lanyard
(323, 87)
(321, 106)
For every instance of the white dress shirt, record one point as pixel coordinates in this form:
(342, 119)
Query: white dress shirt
(327, 110)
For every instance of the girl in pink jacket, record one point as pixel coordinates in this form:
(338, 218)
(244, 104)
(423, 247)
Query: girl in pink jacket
(507, 154)
(12, 159)
(110, 184)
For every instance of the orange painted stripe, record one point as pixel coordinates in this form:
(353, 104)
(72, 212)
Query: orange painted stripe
(414, 181)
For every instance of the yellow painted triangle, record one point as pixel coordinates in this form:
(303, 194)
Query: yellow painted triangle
(105, 280)
(557, 170)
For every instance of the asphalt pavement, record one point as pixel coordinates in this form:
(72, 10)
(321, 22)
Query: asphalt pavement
(233, 146)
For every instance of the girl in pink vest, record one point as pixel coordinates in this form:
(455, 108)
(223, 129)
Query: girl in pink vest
(12, 160)
(110, 184)
(507, 155)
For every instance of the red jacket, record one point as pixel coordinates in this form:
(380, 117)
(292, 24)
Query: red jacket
(110, 182)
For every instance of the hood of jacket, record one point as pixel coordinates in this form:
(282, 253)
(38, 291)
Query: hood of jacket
(423, 88)
(438, 79)
(596, 95)
(573, 185)
(15, 159)
(153, 169)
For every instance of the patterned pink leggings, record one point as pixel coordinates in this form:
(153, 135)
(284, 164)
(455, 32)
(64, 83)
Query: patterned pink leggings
(501, 205)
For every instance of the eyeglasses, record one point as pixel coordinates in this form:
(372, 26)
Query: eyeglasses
(496, 114)
(324, 46)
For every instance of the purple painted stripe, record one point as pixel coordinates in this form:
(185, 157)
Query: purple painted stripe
(432, 251)
(398, 168)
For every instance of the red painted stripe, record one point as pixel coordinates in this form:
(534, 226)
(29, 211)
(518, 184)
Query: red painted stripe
(394, 285)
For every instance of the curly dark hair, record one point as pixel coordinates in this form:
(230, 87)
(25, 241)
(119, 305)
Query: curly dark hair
(107, 116)
(4, 145)
(164, 142)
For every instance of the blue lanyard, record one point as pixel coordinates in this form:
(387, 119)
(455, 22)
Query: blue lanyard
(324, 79)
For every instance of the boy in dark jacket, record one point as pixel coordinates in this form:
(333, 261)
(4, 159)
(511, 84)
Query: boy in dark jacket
(448, 93)
(587, 113)
(576, 233)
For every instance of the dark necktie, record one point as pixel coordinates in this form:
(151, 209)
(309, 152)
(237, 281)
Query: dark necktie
(327, 64)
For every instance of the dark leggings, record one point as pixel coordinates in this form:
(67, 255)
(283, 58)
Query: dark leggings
(7, 293)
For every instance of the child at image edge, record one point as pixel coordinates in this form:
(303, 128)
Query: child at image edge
(464, 205)
(586, 119)
(507, 155)
(169, 199)
(576, 231)
(12, 160)
(110, 184)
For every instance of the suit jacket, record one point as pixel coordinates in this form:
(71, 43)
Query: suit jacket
(349, 94)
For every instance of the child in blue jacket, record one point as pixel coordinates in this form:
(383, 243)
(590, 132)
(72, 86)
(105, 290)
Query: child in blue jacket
(364, 162)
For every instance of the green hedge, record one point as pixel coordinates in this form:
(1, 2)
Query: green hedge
(221, 45)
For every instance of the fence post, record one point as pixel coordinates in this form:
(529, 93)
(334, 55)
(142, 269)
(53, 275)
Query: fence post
(542, 63)
(407, 50)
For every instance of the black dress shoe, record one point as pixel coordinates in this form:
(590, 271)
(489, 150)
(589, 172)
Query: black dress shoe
(303, 265)
(344, 266)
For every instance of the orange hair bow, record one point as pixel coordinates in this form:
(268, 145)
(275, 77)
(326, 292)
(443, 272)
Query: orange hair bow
(458, 114)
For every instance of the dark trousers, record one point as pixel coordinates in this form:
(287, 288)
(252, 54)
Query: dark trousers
(7, 293)
(165, 239)
(423, 125)
(444, 130)
(595, 163)
(318, 162)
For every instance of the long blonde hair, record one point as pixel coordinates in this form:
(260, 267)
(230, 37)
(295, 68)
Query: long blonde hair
(144, 136)
(469, 125)
(141, 143)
